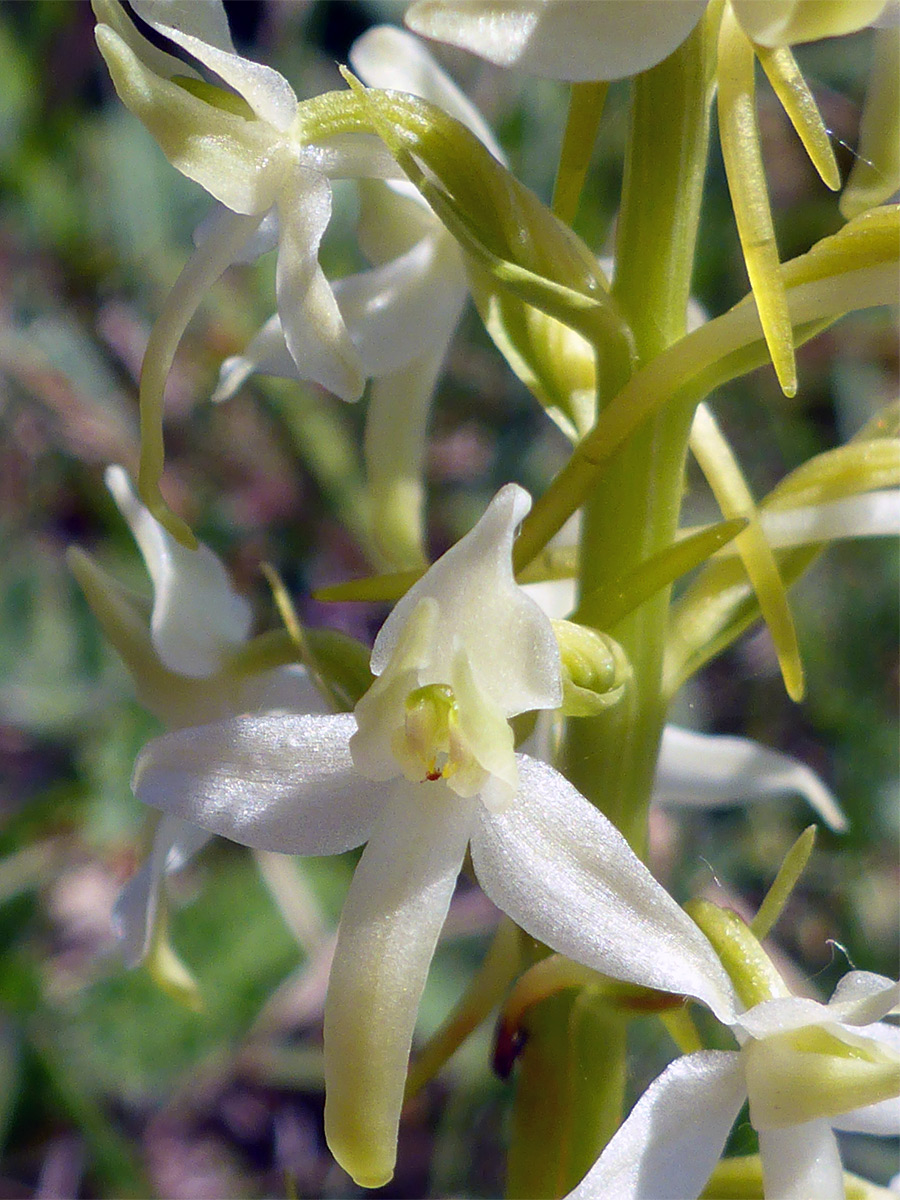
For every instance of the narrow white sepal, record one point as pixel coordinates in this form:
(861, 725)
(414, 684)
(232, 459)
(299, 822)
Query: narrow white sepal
(673, 1138)
(175, 843)
(700, 770)
(273, 782)
(564, 873)
(197, 615)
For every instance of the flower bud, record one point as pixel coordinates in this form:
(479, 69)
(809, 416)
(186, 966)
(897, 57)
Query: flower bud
(595, 669)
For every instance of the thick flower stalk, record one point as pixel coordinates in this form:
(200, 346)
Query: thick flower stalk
(424, 769)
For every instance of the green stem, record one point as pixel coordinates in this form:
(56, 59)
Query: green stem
(633, 511)
(631, 514)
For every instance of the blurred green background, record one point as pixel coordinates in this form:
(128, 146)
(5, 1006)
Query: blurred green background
(109, 1087)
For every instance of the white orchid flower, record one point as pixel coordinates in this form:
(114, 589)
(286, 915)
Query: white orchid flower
(182, 661)
(580, 40)
(269, 161)
(423, 770)
(807, 1068)
(401, 314)
(251, 149)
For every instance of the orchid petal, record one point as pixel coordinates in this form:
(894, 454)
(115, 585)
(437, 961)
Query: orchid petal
(273, 782)
(672, 1139)
(176, 842)
(111, 13)
(197, 615)
(201, 28)
(871, 514)
(801, 1162)
(564, 873)
(266, 354)
(561, 39)
(390, 923)
(261, 241)
(393, 217)
(882, 1118)
(859, 999)
(510, 643)
(286, 689)
(382, 307)
(698, 770)
(239, 161)
(787, 22)
(313, 328)
(387, 57)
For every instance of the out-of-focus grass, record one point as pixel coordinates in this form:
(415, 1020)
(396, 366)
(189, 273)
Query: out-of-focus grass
(108, 1086)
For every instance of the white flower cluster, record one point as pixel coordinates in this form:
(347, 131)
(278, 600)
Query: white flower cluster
(424, 772)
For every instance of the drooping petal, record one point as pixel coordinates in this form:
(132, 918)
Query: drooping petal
(311, 321)
(201, 28)
(561, 39)
(175, 843)
(564, 873)
(699, 770)
(407, 308)
(266, 354)
(387, 57)
(197, 615)
(801, 1162)
(273, 782)
(674, 1136)
(509, 641)
(390, 923)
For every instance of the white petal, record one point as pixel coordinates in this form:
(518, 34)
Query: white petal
(273, 782)
(786, 22)
(699, 770)
(197, 615)
(510, 643)
(674, 1135)
(266, 354)
(312, 324)
(883, 1118)
(393, 217)
(561, 39)
(564, 873)
(801, 1162)
(201, 28)
(264, 239)
(407, 308)
(860, 998)
(390, 923)
(387, 57)
(174, 845)
(872, 514)
(286, 689)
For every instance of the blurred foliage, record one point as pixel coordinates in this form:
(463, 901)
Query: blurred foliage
(107, 1086)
